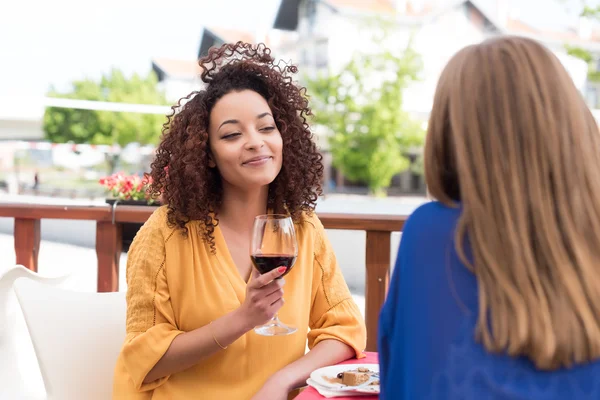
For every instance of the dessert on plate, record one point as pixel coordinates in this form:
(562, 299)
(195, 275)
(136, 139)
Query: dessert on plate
(354, 377)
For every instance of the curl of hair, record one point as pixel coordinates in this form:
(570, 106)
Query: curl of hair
(180, 173)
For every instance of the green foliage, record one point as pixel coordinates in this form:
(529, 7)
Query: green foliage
(593, 74)
(63, 125)
(361, 107)
(580, 53)
(590, 12)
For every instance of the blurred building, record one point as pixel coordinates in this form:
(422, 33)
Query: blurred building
(328, 36)
(330, 32)
(180, 77)
(322, 36)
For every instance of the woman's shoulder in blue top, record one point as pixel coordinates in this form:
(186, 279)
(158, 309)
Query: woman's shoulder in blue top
(427, 343)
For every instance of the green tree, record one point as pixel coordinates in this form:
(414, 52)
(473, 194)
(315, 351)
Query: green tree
(592, 13)
(63, 125)
(361, 107)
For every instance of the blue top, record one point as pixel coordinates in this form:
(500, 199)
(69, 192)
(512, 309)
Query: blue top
(426, 339)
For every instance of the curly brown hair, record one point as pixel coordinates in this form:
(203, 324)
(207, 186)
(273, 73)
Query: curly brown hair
(181, 175)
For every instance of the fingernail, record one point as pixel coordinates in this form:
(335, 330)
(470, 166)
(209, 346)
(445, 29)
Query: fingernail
(281, 270)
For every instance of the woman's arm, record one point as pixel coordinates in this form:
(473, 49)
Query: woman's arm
(187, 349)
(263, 299)
(326, 352)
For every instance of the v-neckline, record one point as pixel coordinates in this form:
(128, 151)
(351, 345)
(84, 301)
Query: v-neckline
(225, 258)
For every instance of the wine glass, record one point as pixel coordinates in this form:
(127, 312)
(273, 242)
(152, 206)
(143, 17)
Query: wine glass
(273, 245)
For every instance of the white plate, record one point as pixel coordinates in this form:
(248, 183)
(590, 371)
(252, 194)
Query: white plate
(319, 375)
(336, 393)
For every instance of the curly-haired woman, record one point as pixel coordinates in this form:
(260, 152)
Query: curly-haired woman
(239, 148)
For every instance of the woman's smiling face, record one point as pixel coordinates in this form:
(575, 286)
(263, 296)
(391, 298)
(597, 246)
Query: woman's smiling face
(245, 143)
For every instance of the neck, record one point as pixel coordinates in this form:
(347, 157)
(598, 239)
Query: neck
(239, 208)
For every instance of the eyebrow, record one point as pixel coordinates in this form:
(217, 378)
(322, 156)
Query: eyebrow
(235, 121)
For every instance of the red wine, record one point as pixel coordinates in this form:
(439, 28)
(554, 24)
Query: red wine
(268, 262)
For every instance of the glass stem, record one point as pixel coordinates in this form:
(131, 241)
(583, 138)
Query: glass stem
(275, 319)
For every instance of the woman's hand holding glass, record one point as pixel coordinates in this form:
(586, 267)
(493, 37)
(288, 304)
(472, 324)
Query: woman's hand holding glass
(264, 297)
(273, 247)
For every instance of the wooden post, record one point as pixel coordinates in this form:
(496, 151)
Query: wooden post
(27, 242)
(108, 251)
(378, 276)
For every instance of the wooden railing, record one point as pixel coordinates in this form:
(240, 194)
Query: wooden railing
(108, 244)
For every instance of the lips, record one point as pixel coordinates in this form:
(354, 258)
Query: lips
(257, 160)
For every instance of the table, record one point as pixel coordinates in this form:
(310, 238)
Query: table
(311, 393)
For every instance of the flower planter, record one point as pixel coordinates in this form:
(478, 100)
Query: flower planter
(123, 189)
(129, 202)
(129, 229)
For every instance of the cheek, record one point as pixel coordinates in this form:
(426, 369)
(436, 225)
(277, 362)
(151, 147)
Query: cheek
(223, 158)
(277, 146)
(279, 151)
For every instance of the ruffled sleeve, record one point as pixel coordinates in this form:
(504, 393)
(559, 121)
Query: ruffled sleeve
(151, 325)
(334, 314)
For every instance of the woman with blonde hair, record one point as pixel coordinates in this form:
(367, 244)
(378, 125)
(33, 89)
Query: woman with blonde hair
(496, 291)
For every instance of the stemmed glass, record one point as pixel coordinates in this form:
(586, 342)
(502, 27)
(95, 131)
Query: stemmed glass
(273, 245)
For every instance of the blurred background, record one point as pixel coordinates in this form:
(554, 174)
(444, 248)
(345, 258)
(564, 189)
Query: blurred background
(85, 87)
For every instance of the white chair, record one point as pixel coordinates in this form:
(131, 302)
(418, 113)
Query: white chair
(20, 376)
(77, 337)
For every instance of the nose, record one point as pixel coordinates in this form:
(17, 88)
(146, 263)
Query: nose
(255, 141)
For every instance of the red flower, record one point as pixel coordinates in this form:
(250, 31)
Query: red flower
(127, 187)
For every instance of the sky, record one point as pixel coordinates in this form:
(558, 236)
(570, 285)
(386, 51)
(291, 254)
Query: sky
(55, 41)
(44, 42)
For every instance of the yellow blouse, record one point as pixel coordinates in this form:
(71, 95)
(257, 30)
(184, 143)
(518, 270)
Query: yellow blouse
(176, 284)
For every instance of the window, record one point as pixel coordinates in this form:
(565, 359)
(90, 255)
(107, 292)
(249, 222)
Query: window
(304, 60)
(311, 12)
(321, 53)
(591, 96)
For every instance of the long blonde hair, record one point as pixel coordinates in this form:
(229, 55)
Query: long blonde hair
(511, 139)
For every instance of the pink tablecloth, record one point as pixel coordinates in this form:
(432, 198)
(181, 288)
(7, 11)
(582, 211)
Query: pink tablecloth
(311, 394)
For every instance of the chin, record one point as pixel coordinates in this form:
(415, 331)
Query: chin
(259, 177)
(260, 182)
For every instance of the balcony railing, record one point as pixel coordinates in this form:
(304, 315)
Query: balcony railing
(108, 244)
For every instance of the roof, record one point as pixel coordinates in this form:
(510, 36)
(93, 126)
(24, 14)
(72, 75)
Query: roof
(568, 36)
(214, 36)
(176, 68)
(380, 6)
(515, 25)
(211, 36)
(490, 20)
(287, 14)
(287, 18)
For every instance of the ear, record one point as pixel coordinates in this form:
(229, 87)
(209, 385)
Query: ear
(211, 161)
